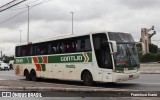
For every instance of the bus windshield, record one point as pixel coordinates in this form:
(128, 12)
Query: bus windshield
(126, 55)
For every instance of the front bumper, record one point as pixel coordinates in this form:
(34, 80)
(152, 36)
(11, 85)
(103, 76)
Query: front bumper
(117, 77)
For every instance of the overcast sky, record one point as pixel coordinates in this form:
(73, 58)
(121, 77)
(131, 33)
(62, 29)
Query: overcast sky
(54, 18)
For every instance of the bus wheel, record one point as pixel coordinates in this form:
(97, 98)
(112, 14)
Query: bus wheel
(27, 75)
(33, 75)
(87, 78)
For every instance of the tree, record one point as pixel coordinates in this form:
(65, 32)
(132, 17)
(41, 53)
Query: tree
(139, 49)
(6, 59)
(153, 48)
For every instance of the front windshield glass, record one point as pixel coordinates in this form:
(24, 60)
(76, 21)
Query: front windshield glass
(126, 55)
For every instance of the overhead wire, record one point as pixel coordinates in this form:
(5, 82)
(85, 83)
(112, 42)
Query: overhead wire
(23, 11)
(21, 6)
(2, 8)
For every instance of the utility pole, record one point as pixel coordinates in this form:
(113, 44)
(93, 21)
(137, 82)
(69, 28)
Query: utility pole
(72, 21)
(28, 24)
(20, 36)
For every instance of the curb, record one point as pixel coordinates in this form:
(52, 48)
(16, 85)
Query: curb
(150, 73)
(58, 89)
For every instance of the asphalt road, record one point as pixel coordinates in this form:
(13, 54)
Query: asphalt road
(9, 75)
(148, 82)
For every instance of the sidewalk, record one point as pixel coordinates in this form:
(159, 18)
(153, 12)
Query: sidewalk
(150, 68)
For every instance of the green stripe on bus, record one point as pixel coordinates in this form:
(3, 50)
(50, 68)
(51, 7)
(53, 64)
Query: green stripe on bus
(69, 58)
(90, 57)
(30, 60)
(23, 60)
(40, 59)
(43, 67)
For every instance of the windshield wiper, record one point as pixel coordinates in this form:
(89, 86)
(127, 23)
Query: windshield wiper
(128, 55)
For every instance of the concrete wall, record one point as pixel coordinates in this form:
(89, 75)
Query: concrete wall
(150, 68)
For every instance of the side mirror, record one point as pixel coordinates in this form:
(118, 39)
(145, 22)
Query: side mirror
(114, 46)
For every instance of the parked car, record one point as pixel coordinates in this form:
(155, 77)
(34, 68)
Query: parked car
(4, 66)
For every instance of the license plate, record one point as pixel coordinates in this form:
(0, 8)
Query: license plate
(130, 76)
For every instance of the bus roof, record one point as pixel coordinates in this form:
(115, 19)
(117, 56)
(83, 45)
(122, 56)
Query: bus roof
(57, 38)
(63, 37)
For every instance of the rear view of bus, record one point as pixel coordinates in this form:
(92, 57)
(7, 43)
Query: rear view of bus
(126, 63)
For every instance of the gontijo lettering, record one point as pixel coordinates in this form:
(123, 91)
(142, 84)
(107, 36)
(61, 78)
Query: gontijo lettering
(72, 58)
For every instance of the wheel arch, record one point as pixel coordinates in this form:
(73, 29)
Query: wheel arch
(33, 70)
(86, 70)
(25, 71)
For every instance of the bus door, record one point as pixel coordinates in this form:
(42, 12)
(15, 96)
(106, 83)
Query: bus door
(103, 57)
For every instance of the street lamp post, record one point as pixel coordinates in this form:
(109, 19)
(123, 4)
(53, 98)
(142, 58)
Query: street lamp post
(20, 35)
(72, 21)
(28, 25)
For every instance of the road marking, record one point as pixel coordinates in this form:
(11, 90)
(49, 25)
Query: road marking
(142, 83)
(150, 83)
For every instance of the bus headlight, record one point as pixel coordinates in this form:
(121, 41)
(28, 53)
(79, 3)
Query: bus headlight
(118, 71)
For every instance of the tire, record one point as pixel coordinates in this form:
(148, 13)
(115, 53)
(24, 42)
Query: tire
(33, 76)
(27, 76)
(87, 78)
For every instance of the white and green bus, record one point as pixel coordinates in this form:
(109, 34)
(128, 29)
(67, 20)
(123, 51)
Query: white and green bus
(93, 57)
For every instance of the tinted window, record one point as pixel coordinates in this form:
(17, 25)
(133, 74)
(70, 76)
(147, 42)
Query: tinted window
(102, 51)
(120, 37)
(68, 45)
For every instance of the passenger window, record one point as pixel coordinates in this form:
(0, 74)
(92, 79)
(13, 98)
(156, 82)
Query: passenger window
(42, 49)
(83, 44)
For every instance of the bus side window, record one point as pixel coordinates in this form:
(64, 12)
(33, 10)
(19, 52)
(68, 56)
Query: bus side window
(54, 48)
(23, 51)
(78, 45)
(60, 48)
(75, 46)
(31, 50)
(63, 48)
(49, 48)
(38, 50)
(18, 51)
(70, 45)
(70, 48)
(87, 44)
(82, 45)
